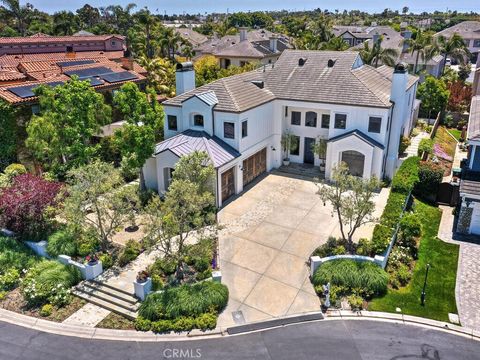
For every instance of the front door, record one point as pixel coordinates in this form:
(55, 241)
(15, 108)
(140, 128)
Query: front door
(228, 184)
(308, 155)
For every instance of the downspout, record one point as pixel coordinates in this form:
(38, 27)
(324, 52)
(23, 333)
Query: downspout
(216, 180)
(390, 121)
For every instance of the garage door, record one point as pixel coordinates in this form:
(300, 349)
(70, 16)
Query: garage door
(228, 184)
(254, 166)
(475, 223)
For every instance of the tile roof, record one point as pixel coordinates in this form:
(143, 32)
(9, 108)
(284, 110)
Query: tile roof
(43, 71)
(466, 29)
(312, 82)
(360, 135)
(195, 38)
(42, 38)
(473, 132)
(15, 60)
(410, 58)
(470, 187)
(190, 140)
(357, 31)
(252, 49)
(9, 75)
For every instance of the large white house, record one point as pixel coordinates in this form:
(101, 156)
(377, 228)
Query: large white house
(239, 121)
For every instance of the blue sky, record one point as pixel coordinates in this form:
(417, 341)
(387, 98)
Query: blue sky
(201, 6)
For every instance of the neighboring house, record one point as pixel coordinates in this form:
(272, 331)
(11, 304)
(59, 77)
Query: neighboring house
(193, 37)
(469, 214)
(239, 120)
(470, 32)
(353, 35)
(260, 46)
(433, 66)
(41, 43)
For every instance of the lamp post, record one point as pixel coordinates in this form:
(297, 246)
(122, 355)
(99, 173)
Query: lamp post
(422, 298)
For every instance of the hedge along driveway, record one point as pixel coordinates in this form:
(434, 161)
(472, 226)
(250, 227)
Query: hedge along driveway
(440, 292)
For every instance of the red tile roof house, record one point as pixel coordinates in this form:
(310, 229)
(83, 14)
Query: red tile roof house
(99, 59)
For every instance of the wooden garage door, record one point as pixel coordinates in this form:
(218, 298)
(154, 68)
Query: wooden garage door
(254, 166)
(228, 184)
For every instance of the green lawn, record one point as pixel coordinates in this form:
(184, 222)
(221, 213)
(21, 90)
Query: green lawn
(456, 133)
(440, 293)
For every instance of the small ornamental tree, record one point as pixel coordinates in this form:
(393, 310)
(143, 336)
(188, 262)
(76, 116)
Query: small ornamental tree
(24, 205)
(434, 96)
(351, 199)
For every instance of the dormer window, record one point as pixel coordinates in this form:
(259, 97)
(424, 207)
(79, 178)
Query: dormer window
(198, 120)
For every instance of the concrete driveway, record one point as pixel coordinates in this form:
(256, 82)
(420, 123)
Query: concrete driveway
(269, 233)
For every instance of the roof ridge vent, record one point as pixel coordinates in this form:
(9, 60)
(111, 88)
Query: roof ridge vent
(331, 62)
(302, 61)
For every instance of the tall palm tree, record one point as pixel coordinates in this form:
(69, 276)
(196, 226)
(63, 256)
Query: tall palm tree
(454, 47)
(336, 44)
(20, 13)
(421, 46)
(321, 28)
(160, 74)
(372, 55)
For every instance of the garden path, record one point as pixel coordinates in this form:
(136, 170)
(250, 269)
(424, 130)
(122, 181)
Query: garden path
(467, 291)
(412, 149)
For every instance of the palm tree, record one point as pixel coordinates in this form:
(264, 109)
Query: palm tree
(372, 55)
(336, 44)
(454, 47)
(21, 13)
(321, 28)
(422, 46)
(160, 74)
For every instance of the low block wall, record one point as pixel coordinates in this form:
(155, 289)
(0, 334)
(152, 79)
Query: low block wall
(88, 271)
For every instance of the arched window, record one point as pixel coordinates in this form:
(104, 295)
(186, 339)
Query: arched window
(355, 162)
(198, 120)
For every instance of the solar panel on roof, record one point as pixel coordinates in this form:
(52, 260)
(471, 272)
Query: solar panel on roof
(74, 63)
(27, 90)
(94, 81)
(118, 76)
(83, 73)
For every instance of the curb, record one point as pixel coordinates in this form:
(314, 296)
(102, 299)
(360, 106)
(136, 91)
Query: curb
(405, 319)
(137, 336)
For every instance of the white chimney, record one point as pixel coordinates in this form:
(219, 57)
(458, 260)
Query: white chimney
(273, 44)
(243, 33)
(184, 78)
(398, 97)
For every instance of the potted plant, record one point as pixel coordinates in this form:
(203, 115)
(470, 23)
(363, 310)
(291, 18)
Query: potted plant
(91, 259)
(320, 148)
(142, 277)
(288, 142)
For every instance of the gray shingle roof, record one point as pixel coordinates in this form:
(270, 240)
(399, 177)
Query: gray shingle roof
(474, 119)
(466, 29)
(470, 187)
(312, 82)
(360, 135)
(190, 140)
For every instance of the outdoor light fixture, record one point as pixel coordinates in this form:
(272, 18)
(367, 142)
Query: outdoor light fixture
(240, 167)
(273, 149)
(422, 297)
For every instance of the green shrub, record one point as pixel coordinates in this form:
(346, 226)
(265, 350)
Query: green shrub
(403, 274)
(46, 310)
(157, 282)
(380, 239)
(183, 324)
(367, 277)
(365, 247)
(399, 256)
(185, 300)
(130, 252)
(425, 145)
(106, 259)
(410, 226)
(9, 280)
(207, 321)
(3, 295)
(333, 246)
(163, 266)
(355, 302)
(14, 254)
(430, 176)
(49, 282)
(87, 242)
(13, 170)
(142, 324)
(403, 145)
(162, 326)
(406, 176)
(62, 242)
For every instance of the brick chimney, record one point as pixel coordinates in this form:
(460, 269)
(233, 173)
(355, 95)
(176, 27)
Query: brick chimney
(243, 33)
(70, 53)
(127, 60)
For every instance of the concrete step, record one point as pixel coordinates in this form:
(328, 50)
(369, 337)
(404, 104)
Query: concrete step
(111, 291)
(104, 295)
(129, 314)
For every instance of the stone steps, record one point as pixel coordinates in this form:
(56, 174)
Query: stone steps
(109, 297)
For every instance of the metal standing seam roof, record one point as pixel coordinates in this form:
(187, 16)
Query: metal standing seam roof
(360, 135)
(207, 97)
(189, 141)
(473, 132)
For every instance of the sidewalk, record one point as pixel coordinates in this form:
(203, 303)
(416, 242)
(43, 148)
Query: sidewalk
(412, 149)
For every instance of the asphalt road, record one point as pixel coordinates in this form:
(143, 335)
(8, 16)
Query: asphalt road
(332, 340)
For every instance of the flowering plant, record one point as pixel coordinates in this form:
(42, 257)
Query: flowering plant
(91, 259)
(142, 276)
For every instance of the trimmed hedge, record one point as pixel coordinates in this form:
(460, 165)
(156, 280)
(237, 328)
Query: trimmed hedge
(430, 176)
(406, 176)
(404, 181)
(185, 301)
(365, 277)
(207, 321)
